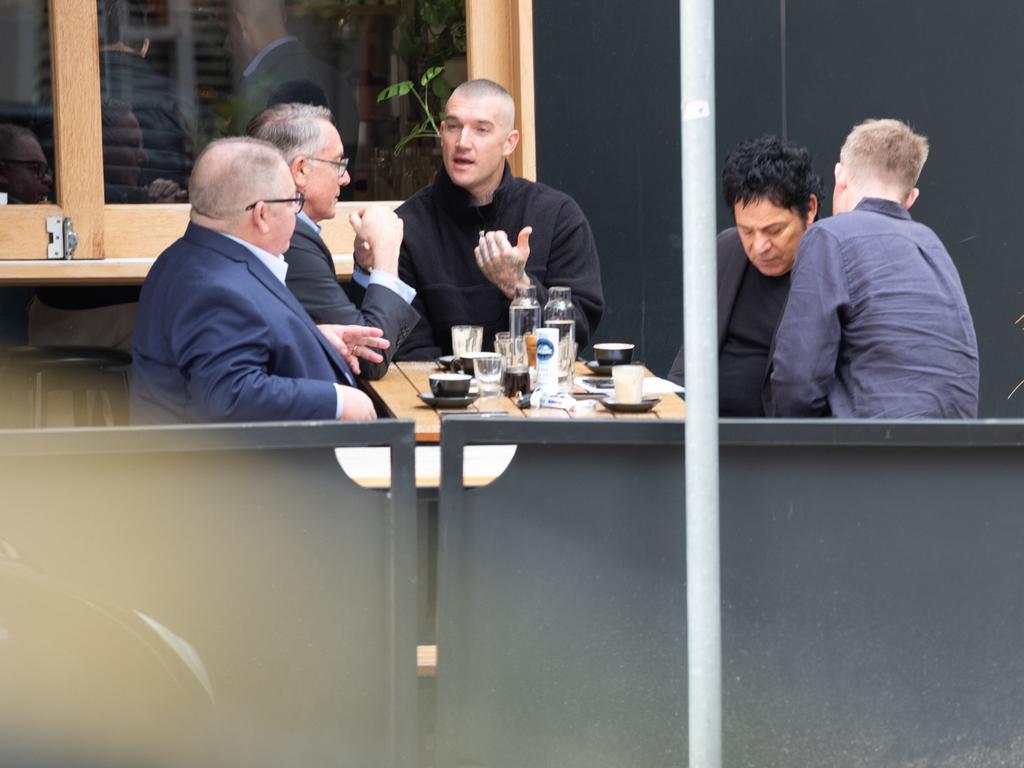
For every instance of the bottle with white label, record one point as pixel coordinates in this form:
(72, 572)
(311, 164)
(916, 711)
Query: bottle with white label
(559, 313)
(547, 359)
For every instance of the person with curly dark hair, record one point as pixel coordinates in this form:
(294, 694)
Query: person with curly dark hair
(770, 186)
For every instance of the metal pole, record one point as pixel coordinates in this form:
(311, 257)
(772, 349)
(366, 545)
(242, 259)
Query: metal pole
(704, 633)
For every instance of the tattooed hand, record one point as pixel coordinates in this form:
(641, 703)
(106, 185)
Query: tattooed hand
(501, 262)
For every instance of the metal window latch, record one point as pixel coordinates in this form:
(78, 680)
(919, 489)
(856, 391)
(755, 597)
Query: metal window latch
(63, 239)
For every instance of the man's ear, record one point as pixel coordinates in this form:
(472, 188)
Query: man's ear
(300, 167)
(911, 198)
(511, 141)
(812, 209)
(842, 177)
(259, 217)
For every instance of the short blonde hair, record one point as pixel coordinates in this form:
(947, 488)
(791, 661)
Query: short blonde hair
(887, 151)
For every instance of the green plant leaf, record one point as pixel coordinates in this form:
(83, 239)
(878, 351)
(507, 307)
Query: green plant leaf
(430, 74)
(441, 88)
(396, 89)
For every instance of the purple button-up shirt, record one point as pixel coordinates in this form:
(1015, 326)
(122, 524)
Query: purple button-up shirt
(876, 325)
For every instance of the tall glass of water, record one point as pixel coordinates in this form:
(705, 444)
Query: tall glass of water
(559, 313)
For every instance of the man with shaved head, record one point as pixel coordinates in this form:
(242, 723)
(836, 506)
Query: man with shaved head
(478, 233)
(877, 324)
(218, 336)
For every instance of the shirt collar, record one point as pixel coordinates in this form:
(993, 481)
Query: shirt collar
(883, 206)
(276, 264)
(312, 224)
(267, 49)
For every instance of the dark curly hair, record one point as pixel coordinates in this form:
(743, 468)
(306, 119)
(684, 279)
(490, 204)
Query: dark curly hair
(772, 169)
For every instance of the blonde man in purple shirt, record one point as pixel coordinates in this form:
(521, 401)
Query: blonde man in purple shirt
(876, 324)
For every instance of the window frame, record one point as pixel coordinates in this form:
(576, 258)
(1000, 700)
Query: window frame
(117, 243)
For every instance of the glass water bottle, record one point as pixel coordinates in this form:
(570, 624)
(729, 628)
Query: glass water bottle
(559, 313)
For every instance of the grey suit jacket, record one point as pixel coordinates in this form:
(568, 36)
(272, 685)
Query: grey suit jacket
(312, 279)
(732, 261)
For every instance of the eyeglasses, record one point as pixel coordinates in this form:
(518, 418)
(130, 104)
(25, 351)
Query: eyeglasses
(40, 167)
(297, 201)
(341, 165)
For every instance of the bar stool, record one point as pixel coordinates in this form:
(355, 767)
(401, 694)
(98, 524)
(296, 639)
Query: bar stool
(94, 376)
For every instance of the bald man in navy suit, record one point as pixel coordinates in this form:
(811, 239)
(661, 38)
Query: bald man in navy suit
(218, 336)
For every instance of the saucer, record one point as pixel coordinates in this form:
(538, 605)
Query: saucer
(446, 362)
(447, 402)
(644, 405)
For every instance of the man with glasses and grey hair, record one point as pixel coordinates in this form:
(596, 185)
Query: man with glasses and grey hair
(218, 336)
(312, 147)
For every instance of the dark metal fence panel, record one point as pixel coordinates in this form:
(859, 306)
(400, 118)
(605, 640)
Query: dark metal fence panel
(294, 586)
(871, 602)
(871, 583)
(562, 598)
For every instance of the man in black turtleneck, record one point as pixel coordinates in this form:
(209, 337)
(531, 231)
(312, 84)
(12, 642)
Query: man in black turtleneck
(533, 235)
(770, 186)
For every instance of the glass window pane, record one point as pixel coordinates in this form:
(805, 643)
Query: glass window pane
(177, 74)
(26, 112)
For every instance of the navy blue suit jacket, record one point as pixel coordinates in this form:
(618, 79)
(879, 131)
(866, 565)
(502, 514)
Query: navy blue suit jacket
(219, 338)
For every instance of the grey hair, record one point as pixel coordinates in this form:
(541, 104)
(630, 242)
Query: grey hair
(231, 173)
(292, 128)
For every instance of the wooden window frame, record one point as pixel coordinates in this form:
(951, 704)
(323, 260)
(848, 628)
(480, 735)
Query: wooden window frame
(117, 243)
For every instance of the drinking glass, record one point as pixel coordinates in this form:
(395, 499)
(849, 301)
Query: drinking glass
(487, 368)
(467, 338)
(629, 383)
(517, 369)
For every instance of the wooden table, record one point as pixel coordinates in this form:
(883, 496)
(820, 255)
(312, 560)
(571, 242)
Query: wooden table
(399, 392)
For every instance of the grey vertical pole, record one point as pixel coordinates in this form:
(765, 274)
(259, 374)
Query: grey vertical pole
(697, 43)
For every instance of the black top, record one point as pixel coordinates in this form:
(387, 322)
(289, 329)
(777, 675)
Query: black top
(743, 361)
(441, 229)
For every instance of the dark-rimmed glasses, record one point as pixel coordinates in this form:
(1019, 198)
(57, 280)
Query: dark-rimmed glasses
(297, 201)
(39, 167)
(341, 165)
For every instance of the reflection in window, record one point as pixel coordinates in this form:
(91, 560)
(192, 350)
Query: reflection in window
(26, 116)
(190, 72)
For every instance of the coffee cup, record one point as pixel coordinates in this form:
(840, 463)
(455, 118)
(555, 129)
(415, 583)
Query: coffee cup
(450, 384)
(629, 383)
(613, 353)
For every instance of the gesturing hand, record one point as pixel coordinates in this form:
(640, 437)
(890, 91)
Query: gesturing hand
(356, 341)
(501, 262)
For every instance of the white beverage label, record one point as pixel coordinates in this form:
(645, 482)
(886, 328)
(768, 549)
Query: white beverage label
(547, 359)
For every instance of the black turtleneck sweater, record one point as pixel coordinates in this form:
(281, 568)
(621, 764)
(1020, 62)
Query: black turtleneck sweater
(442, 228)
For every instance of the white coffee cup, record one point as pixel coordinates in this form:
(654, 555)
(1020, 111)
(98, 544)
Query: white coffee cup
(629, 383)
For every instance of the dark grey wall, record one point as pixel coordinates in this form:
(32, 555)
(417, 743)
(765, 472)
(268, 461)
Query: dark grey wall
(607, 86)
